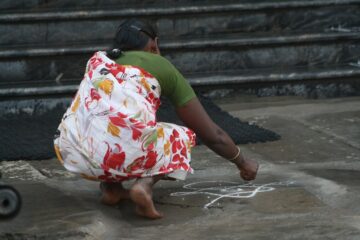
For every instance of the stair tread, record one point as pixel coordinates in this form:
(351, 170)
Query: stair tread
(207, 79)
(46, 14)
(275, 74)
(225, 40)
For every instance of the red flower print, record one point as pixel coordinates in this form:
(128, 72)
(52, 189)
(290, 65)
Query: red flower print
(90, 73)
(176, 133)
(136, 133)
(175, 146)
(145, 73)
(116, 70)
(163, 169)
(154, 101)
(176, 158)
(178, 162)
(119, 120)
(183, 151)
(95, 62)
(106, 176)
(184, 166)
(150, 147)
(192, 137)
(151, 124)
(94, 96)
(150, 159)
(175, 141)
(139, 89)
(114, 158)
(135, 165)
(135, 127)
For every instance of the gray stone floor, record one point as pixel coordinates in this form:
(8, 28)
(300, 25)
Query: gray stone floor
(307, 187)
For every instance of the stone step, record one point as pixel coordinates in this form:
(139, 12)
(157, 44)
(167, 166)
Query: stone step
(55, 5)
(46, 5)
(29, 66)
(259, 77)
(168, 45)
(185, 18)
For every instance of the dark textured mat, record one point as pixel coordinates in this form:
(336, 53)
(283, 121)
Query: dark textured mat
(241, 132)
(29, 134)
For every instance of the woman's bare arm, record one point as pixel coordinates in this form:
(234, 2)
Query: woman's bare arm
(195, 117)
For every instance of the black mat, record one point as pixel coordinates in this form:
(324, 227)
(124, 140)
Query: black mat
(28, 132)
(241, 132)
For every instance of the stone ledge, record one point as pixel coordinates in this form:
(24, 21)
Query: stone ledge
(231, 41)
(214, 79)
(193, 9)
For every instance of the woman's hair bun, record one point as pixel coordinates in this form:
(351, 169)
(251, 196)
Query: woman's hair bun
(114, 53)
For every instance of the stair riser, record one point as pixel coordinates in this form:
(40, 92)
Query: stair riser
(102, 30)
(35, 5)
(316, 55)
(32, 70)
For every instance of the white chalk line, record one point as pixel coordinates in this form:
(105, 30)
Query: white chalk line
(223, 190)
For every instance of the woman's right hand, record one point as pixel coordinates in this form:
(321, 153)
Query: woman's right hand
(248, 168)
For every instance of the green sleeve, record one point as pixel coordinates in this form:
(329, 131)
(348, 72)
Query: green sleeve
(173, 84)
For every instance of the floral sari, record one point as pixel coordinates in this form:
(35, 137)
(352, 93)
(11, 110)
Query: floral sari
(110, 132)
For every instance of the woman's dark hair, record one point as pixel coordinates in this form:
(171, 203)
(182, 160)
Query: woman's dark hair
(131, 35)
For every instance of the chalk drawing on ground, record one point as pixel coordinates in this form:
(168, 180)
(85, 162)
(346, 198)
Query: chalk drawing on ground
(224, 189)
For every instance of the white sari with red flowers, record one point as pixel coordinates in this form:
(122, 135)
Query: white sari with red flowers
(110, 132)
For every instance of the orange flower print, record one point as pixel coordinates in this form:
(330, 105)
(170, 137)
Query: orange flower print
(113, 130)
(167, 148)
(76, 104)
(145, 84)
(160, 132)
(107, 86)
(58, 154)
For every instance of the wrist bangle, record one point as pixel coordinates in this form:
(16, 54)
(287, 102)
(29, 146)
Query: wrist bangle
(236, 156)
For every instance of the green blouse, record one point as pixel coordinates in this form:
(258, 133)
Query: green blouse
(173, 85)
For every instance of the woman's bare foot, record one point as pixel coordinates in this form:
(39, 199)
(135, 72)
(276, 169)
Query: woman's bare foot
(113, 193)
(141, 194)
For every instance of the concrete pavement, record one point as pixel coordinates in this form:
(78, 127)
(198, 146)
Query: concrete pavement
(307, 187)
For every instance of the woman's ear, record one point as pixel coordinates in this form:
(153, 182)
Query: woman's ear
(152, 46)
(156, 48)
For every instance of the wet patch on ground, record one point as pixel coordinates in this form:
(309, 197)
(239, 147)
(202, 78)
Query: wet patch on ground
(341, 176)
(313, 147)
(345, 126)
(289, 200)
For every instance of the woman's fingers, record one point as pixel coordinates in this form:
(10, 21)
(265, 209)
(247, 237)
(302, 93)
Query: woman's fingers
(249, 170)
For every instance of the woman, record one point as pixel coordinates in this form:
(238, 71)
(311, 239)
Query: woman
(110, 132)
